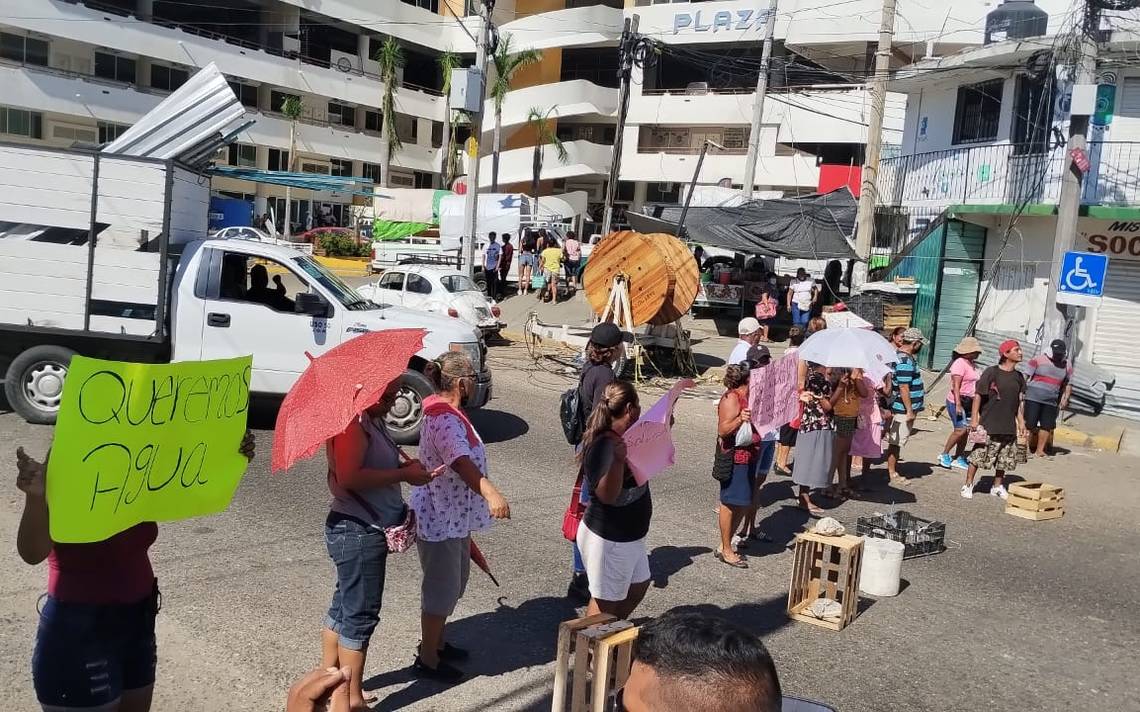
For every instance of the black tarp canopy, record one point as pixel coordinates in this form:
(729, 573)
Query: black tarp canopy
(814, 226)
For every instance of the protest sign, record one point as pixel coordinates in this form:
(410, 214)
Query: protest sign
(141, 442)
(649, 442)
(772, 396)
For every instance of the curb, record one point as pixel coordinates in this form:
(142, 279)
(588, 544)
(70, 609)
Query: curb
(1109, 442)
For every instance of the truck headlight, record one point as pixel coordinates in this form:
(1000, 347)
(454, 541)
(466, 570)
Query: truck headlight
(471, 348)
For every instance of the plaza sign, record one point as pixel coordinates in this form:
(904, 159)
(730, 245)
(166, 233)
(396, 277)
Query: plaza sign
(734, 20)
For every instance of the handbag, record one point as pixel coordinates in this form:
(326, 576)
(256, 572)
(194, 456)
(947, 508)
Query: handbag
(797, 421)
(572, 518)
(538, 281)
(400, 537)
(766, 309)
(723, 462)
(978, 436)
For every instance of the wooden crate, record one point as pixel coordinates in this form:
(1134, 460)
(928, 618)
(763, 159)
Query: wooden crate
(825, 567)
(1036, 501)
(593, 661)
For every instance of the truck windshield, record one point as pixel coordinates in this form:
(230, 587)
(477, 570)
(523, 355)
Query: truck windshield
(345, 294)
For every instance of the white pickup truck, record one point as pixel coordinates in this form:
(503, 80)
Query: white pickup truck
(103, 255)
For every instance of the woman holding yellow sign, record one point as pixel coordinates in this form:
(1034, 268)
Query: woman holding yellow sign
(95, 646)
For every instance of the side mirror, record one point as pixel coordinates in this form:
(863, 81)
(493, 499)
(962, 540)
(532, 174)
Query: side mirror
(312, 304)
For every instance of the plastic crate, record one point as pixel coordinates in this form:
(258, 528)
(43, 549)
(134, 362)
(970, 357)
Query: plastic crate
(919, 537)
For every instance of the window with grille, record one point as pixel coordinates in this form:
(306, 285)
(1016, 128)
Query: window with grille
(243, 154)
(108, 132)
(167, 78)
(26, 50)
(112, 66)
(246, 94)
(278, 160)
(978, 112)
(371, 171)
(19, 122)
(342, 114)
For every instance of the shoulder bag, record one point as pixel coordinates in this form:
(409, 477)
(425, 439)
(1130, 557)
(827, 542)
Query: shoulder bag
(723, 461)
(402, 536)
(572, 518)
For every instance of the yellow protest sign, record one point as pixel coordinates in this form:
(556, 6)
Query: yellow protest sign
(139, 442)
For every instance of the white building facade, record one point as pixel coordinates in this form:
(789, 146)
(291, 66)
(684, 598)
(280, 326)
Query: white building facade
(82, 71)
(976, 182)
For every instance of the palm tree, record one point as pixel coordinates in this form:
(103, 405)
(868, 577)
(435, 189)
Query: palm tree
(544, 134)
(507, 64)
(292, 108)
(447, 62)
(391, 58)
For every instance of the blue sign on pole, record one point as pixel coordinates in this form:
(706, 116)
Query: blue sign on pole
(1083, 273)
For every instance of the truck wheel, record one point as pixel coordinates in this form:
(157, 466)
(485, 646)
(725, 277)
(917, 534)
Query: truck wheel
(34, 382)
(407, 414)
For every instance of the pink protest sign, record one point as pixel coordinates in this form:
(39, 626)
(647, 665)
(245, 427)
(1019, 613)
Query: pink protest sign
(772, 394)
(649, 442)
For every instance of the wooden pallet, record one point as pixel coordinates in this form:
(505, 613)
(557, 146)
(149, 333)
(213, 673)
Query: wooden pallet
(601, 648)
(1035, 501)
(825, 567)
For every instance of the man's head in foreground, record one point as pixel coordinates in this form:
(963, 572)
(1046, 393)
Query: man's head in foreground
(695, 662)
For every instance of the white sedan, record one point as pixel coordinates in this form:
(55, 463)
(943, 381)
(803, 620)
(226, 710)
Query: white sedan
(238, 232)
(439, 290)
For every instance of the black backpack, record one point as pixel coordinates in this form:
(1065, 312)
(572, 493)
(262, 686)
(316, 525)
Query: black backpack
(570, 413)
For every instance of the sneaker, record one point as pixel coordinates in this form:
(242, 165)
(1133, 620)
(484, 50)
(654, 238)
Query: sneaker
(999, 491)
(960, 464)
(945, 460)
(445, 673)
(967, 492)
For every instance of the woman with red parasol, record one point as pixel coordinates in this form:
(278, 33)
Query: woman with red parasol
(448, 509)
(364, 478)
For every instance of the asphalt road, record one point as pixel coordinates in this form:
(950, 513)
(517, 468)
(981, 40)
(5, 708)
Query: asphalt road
(1015, 615)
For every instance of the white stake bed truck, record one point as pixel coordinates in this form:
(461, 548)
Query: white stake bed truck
(105, 255)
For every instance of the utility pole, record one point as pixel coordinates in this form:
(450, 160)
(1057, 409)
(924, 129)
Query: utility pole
(693, 184)
(471, 203)
(1069, 204)
(628, 42)
(758, 106)
(868, 192)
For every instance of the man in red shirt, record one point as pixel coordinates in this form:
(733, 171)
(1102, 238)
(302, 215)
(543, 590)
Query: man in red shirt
(505, 258)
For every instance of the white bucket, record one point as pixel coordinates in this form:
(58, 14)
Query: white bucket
(882, 566)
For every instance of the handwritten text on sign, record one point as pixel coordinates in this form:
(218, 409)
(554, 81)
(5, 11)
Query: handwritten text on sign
(772, 395)
(145, 442)
(649, 446)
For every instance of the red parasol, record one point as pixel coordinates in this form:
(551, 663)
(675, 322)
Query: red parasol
(337, 387)
(481, 561)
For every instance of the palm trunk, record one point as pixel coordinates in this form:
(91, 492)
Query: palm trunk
(498, 145)
(445, 149)
(288, 189)
(536, 172)
(385, 150)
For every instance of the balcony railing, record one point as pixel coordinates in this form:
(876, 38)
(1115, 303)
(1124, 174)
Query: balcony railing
(1008, 173)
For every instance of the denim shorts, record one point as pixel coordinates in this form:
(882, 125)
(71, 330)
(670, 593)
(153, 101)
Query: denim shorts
(87, 655)
(528, 259)
(360, 553)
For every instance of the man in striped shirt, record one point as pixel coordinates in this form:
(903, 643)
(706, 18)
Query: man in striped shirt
(1048, 392)
(909, 399)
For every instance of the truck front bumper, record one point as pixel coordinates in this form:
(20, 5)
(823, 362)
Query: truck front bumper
(482, 394)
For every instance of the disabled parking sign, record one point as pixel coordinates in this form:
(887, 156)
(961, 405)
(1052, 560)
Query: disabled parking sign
(1082, 278)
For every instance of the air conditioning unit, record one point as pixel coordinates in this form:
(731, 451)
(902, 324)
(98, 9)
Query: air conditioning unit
(402, 180)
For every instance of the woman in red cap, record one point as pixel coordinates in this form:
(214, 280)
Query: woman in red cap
(1000, 410)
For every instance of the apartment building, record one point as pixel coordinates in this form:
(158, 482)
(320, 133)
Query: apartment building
(82, 71)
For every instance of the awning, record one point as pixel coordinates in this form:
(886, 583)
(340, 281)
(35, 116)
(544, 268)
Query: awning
(306, 181)
(818, 226)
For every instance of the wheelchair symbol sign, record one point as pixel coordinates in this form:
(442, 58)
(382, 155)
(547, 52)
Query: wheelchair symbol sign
(1083, 273)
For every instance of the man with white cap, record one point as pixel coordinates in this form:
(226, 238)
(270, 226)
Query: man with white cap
(750, 332)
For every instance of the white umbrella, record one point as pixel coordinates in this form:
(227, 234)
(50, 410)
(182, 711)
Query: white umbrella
(846, 319)
(848, 348)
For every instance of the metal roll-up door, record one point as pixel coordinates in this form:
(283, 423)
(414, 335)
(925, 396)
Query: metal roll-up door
(1118, 319)
(1117, 331)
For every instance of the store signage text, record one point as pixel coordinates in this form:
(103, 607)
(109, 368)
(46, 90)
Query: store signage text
(1121, 239)
(739, 20)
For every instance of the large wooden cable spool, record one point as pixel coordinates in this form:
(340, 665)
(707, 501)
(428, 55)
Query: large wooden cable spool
(662, 275)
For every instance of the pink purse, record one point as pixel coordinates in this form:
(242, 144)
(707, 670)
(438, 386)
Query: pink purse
(402, 536)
